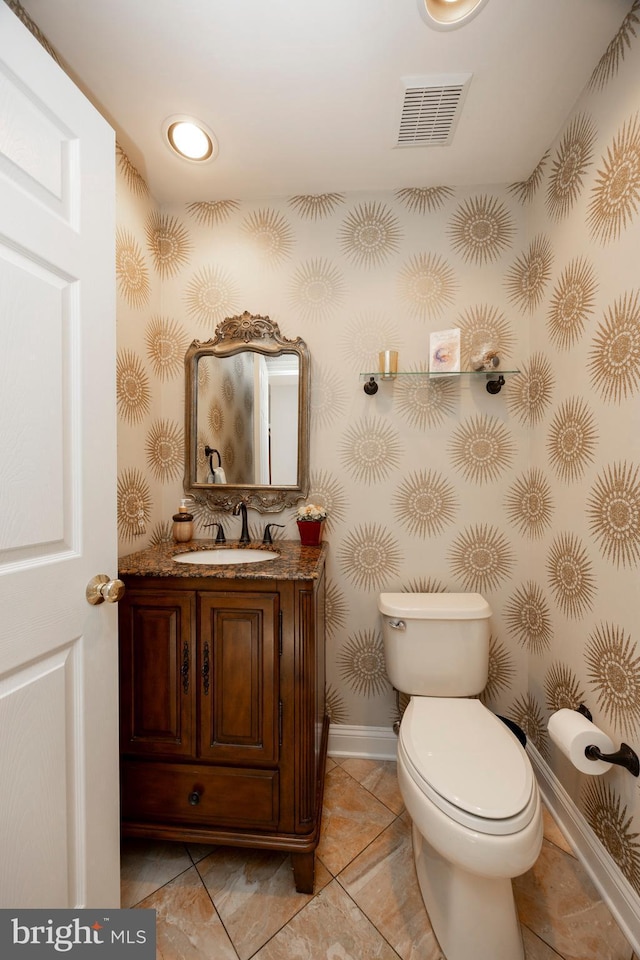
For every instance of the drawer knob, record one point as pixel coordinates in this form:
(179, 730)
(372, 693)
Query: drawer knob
(194, 798)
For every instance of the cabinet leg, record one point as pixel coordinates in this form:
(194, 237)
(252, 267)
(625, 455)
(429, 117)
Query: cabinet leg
(303, 871)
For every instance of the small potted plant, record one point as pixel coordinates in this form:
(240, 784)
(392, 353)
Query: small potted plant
(310, 518)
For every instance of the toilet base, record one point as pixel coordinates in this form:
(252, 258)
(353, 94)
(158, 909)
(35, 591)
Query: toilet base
(471, 916)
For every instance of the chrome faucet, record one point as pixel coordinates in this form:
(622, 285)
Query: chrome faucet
(241, 508)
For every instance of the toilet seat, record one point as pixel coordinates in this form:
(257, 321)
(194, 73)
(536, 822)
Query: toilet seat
(468, 763)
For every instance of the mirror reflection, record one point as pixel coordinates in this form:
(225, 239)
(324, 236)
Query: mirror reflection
(247, 412)
(247, 416)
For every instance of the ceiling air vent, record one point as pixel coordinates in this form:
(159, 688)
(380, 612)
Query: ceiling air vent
(430, 109)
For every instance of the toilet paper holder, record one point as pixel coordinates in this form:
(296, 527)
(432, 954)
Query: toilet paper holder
(624, 757)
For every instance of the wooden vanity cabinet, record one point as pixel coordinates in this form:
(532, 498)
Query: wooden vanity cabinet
(223, 733)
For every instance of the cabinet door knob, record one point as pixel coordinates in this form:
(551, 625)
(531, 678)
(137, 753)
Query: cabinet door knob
(194, 798)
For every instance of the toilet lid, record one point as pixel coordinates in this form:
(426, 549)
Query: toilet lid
(468, 762)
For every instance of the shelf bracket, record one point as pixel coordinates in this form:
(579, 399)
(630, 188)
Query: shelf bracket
(495, 386)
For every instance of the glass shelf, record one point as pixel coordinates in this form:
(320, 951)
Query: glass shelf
(495, 379)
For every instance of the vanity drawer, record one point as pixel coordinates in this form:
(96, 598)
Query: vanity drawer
(197, 794)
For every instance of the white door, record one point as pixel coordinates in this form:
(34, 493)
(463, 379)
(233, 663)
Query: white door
(58, 654)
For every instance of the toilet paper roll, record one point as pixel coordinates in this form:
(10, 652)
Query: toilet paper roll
(572, 733)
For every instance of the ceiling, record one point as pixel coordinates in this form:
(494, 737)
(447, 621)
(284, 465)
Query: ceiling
(305, 97)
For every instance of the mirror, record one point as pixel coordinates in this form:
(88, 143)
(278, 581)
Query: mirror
(247, 416)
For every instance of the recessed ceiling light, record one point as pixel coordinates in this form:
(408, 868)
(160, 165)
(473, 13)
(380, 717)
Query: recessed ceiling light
(449, 14)
(190, 138)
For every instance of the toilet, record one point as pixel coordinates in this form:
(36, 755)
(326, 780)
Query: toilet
(465, 779)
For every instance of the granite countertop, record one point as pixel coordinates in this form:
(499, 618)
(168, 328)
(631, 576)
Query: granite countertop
(294, 562)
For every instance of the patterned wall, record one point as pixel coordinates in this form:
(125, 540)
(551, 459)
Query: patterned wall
(414, 477)
(581, 626)
(531, 497)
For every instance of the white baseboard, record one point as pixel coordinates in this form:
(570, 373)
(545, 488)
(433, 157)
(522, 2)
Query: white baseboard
(615, 890)
(369, 743)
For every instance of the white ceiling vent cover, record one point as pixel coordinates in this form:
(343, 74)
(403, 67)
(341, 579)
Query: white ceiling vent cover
(430, 109)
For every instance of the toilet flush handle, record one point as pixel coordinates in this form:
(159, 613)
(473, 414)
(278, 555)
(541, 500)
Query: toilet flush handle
(397, 624)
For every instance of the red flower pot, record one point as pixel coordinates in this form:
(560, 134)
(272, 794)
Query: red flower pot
(310, 532)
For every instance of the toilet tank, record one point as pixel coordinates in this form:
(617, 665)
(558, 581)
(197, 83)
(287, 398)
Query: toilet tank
(436, 644)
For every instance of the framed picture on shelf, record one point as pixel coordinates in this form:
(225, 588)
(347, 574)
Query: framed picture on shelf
(444, 351)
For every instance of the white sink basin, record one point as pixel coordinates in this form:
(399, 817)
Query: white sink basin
(226, 555)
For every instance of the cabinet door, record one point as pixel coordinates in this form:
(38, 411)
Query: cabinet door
(157, 673)
(239, 677)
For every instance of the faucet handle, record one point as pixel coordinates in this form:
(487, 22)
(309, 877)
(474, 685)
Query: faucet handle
(267, 538)
(220, 537)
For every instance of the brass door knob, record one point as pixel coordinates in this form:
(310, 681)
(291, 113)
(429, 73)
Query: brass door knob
(101, 588)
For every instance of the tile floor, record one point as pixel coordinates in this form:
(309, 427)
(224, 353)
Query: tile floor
(221, 903)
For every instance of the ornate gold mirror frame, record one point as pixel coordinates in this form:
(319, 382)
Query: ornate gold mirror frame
(240, 335)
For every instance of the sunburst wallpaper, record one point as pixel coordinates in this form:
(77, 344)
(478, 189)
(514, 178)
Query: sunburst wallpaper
(531, 496)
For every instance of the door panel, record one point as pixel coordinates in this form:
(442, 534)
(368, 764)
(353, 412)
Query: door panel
(239, 667)
(158, 673)
(59, 830)
(37, 148)
(32, 700)
(35, 364)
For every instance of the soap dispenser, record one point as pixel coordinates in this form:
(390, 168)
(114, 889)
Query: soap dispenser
(183, 523)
